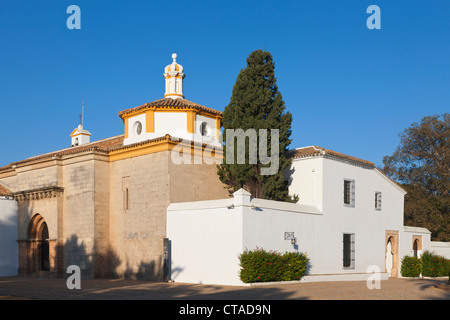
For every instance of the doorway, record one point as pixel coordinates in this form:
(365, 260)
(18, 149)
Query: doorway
(391, 253)
(38, 248)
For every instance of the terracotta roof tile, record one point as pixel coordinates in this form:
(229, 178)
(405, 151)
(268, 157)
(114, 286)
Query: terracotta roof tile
(101, 145)
(172, 103)
(316, 151)
(4, 191)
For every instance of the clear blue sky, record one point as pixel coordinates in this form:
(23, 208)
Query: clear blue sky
(349, 88)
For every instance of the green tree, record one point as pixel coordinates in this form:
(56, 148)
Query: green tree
(421, 164)
(257, 104)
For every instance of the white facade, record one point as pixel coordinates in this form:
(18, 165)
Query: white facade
(208, 236)
(319, 181)
(174, 124)
(8, 237)
(440, 248)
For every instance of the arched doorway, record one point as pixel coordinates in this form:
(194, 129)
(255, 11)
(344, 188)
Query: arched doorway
(38, 252)
(391, 253)
(45, 250)
(389, 257)
(415, 247)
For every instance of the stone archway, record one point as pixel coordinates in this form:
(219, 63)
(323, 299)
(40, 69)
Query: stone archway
(391, 253)
(39, 258)
(417, 246)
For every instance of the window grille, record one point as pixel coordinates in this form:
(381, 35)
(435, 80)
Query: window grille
(348, 250)
(349, 193)
(378, 200)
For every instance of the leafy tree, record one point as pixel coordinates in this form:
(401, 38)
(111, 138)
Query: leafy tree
(257, 104)
(421, 163)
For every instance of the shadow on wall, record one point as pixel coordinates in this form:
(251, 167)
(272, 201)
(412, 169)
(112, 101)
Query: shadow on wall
(103, 264)
(8, 237)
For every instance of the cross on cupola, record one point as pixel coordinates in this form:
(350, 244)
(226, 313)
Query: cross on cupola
(174, 76)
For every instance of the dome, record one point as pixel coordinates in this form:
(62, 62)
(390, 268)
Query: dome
(174, 67)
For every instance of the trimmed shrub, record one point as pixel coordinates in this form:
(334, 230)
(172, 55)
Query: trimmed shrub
(263, 266)
(434, 265)
(411, 267)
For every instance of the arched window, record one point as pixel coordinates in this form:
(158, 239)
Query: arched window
(45, 252)
(204, 129)
(415, 247)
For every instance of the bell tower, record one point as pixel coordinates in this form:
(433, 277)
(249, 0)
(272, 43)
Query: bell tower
(174, 76)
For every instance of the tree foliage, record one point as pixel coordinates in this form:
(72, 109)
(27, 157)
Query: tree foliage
(257, 104)
(421, 164)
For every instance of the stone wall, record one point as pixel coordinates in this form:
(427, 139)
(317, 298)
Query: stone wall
(137, 230)
(108, 218)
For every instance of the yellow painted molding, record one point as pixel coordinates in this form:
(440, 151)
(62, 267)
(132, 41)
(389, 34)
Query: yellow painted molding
(191, 121)
(218, 126)
(125, 122)
(165, 144)
(150, 120)
(79, 134)
(174, 94)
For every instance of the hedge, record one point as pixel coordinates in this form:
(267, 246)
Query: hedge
(430, 265)
(263, 266)
(411, 267)
(434, 265)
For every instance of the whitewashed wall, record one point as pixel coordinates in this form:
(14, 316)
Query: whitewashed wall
(205, 239)
(208, 236)
(8, 237)
(320, 181)
(406, 241)
(440, 248)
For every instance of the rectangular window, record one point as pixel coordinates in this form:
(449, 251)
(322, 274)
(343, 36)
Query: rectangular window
(125, 199)
(378, 200)
(348, 250)
(126, 193)
(349, 192)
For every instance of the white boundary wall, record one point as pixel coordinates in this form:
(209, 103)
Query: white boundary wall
(440, 248)
(207, 237)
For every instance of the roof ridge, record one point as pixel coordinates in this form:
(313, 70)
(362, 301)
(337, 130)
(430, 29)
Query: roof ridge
(317, 150)
(169, 102)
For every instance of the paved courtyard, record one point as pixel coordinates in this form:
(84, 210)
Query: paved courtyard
(55, 288)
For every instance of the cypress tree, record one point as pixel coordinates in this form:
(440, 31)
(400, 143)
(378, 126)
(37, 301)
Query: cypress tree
(257, 104)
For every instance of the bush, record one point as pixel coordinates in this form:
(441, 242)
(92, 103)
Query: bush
(263, 266)
(434, 265)
(411, 267)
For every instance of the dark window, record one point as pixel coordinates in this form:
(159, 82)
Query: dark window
(204, 129)
(45, 252)
(415, 248)
(348, 250)
(347, 192)
(125, 199)
(378, 200)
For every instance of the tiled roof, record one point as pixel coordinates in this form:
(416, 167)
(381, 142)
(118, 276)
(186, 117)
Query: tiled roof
(316, 151)
(171, 103)
(4, 191)
(104, 145)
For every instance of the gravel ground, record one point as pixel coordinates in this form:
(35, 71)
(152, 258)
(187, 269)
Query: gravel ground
(19, 288)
